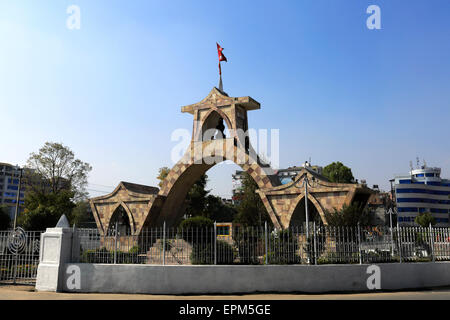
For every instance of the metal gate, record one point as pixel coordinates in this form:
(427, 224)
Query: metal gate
(19, 256)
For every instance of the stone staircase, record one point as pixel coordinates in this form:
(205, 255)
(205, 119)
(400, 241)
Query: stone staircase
(177, 252)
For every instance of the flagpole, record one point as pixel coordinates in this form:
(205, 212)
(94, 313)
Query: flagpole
(220, 79)
(221, 58)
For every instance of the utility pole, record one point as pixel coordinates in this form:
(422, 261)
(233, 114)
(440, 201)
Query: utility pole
(18, 194)
(306, 207)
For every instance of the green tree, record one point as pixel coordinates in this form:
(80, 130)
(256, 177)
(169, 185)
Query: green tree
(337, 172)
(424, 219)
(163, 172)
(196, 223)
(5, 220)
(44, 210)
(81, 215)
(349, 216)
(196, 198)
(251, 210)
(216, 210)
(54, 168)
(54, 182)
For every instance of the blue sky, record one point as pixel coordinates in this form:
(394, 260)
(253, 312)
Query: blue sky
(112, 91)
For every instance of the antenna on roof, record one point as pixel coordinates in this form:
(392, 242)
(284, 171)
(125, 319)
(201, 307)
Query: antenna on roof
(410, 165)
(418, 162)
(424, 163)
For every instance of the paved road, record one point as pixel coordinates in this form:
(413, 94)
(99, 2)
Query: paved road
(28, 293)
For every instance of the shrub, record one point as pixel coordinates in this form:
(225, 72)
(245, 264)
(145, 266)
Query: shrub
(424, 219)
(249, 244)
(197, 230)
(103, 255)
(283, 248)
(196, 223)
(338, 258)
(204, 254)
(5, 220)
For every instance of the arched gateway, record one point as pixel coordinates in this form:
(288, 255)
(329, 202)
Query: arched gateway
(210, 145)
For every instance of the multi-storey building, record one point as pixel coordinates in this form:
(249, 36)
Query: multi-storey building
(423, 190)
(9, 187)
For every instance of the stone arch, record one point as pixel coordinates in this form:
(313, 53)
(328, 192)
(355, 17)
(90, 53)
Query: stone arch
(300, 200)
(186, 172)
(129, 215)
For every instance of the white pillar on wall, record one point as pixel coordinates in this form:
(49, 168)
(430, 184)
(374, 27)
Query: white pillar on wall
(55, 252)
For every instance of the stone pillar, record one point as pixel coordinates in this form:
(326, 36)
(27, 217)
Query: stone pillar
(55, 252)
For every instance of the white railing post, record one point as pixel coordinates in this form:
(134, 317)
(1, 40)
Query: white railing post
(315, 245)
(431, 242)
(115, 243)
(265, 241)
(359, 243)
(399, 243)
(215, 242)
(164, 243)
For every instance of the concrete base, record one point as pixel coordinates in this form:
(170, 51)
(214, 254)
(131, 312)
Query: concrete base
(153, 279)
(55, 251)
(48, 277)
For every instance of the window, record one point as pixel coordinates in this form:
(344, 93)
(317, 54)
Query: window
(399, 200)
(223, 230)
(405, 181)
(420, 175)
(10, 194)
(409, 209)
(429, 174)
(13, 188)
(409, 200)
(433, 210)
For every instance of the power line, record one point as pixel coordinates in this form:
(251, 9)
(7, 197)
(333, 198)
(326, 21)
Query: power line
(101, 191)
(100, 185)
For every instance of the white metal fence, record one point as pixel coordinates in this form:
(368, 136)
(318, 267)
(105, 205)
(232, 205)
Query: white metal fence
(262, 245)
(19, 256)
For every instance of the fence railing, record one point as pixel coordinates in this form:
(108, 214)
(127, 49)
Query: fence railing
(19, 256)
(263, 245)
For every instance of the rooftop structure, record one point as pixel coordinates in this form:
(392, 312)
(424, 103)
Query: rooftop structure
(422, 190)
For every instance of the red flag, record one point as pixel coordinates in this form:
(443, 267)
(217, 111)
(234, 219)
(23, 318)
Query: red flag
(221, 55)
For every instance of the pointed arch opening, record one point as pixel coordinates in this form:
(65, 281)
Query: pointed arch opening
(216, 126)
(298, 218)
(121, 221)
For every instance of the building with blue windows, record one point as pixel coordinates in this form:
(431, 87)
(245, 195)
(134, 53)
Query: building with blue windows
(9, 186)
(423, 190)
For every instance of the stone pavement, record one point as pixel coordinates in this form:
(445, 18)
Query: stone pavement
(8, 292)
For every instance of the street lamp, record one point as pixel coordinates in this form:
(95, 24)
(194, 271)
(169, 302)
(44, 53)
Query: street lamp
(17, 168)
(305, 184)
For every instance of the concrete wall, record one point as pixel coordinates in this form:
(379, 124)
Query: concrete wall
(248, 279)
